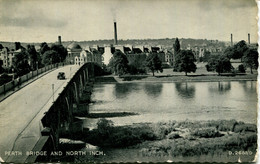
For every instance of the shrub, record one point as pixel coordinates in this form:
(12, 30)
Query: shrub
(206, 133)
(222, 125)
(133, 69)
(245, 127)
(241, 68)
(121, 136)
(174, 135)
(188, 124)
(161, 130)
(104, 127)
(241, 142)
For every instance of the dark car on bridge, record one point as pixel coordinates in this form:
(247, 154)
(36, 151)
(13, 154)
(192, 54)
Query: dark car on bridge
(61, 76)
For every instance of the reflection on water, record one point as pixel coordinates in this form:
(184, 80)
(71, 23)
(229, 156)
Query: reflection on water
(250, 86)
(122, 91)
(220, 87)
(185, 90)
(224, 87)
(153, 90)
(171, 101)
(177, 101)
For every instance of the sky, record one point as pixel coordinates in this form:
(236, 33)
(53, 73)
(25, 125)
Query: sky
(79, 20)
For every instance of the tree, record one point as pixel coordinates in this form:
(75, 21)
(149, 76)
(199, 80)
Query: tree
(50, 57)
(206, 56)
(62, 51)
(154, 63)
(1, 67)
(34, 57)
(176, 46)
(137, 64)
(220, 64)
(44, 47)
(229, 52)
(20, 63)
(185, 62)
(118, 63)
(236, 51)
(250, 59)
(1, 46)
(240, 49)
(241, 68)
(17, 45)
(104, 127)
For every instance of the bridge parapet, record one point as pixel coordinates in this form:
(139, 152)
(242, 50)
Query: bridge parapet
(25, 79)
(71, 102)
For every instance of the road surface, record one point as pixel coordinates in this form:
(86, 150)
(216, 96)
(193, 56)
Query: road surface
(20, 114)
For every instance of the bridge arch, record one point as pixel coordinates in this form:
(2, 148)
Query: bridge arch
(80, 86)
(76, 92)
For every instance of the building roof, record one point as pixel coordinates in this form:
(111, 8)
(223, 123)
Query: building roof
(74, 46)
(37, 48)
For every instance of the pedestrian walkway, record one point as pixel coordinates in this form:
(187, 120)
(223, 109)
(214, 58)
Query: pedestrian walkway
(18, 87)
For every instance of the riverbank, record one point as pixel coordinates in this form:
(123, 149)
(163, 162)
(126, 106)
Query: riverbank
(176, 78)
(168, 75)
(172, 140)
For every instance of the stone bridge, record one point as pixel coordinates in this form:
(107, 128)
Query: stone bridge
(47, 125)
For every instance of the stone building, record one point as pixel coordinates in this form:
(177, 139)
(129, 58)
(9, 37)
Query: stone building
(74, 50)
(7, 57)
(169, 57)
(90, 54)
(108, 54)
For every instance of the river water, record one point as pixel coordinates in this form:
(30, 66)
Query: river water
(176, 101)
(156, 102)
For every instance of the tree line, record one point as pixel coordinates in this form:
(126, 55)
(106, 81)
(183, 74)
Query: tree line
(28, 59)
(241, 51)
(120, 65)
(185, 61)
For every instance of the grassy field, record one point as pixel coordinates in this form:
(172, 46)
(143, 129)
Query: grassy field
(168, 75)
(201, 74)
(201, 70)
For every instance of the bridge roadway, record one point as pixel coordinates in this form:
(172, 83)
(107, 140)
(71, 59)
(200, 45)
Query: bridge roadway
(21, 113)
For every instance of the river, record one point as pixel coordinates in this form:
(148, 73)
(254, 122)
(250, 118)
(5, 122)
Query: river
(178, 101)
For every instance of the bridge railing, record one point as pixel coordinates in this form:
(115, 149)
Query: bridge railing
(22, 79)
(58, 111)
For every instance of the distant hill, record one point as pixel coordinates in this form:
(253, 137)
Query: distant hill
(166, 43)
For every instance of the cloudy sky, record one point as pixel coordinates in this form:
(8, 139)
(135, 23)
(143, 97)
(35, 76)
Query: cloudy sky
(44, 20)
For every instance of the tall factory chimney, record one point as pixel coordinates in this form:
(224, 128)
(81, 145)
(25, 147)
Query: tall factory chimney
(115, 32)
(59, 40)
(248, 38)
(231, 40)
